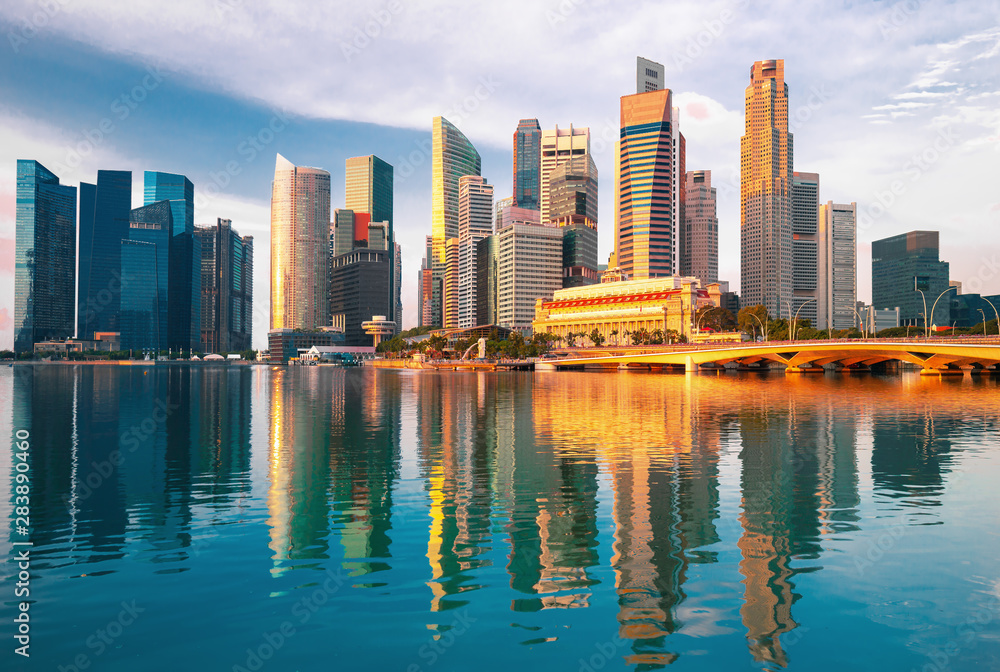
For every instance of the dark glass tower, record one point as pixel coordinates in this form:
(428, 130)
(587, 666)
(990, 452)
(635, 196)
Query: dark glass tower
(45, 257)
(904, 264)
(527, 164)
(226, 288)
(88, 194)
(185, 257)
(102, 232)
(369, 182)
(145, 272)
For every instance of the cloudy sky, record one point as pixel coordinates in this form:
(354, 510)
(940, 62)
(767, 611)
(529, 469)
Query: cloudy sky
(895, 105)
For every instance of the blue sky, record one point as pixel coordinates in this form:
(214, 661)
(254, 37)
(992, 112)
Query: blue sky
(895, 105)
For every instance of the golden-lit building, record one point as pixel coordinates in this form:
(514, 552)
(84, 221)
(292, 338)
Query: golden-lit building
(766, 191)
(625, 307)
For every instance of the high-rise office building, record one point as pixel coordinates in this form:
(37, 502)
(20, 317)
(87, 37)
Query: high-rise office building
(527, 164)
(475, 222)
(649, 185)
(397, 283)
(300, 242)
(513, 215)
(44, 257)
(487, 268)
(369, 188)
(449, 279)
(498, 207)
(226, 288)
(807, 290)
(529, 267)
(145, 262)
(765, 191)
(359, 282)
(699, 239)
(425, 286)
(102, 231)
(573, 207)
(903, 266)
(838, 264)
(185, 257)
(649, 75)
(559, 145)
(452, 156)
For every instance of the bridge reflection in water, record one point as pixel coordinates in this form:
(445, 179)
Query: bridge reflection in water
(933, 356)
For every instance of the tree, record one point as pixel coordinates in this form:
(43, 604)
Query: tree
(596, 337)
(571, 338)
(715, 318)
(656, 337)
(752, 318)
(614, 335)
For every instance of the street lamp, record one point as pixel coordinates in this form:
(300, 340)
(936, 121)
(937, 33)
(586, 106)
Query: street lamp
(763, 329)
(924, 297)
(994, 311)
(795, 321)
(984, 319)
(935, 305)
(861, 321)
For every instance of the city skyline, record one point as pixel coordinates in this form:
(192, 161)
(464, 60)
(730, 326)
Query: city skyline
(877, 136)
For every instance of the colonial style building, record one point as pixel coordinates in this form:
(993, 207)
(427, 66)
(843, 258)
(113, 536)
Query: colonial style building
(625, 306)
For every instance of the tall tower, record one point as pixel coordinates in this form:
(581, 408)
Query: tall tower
(300, 242)
(700, 231)
(184, 272)
(838, 264)
(101, 233)
(527, 164)
(44, 257)
(452, 156)
(649, 75)
(369, 183)
(558, 147)
(650, 173)
(806, 250)
(765, 191)
(475, 222)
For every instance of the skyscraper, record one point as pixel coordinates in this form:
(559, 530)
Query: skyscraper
(765, 191)
(838, 264)
(450, 274)
(573, 207)
(475, 222)
(369, 188)
(397, 283)
(649, 75)
(300, 231)
(102, 232)
(699, 237)
(650, 173)
(806, 250)
(529, 267)
(226, 288)
(359, 291)
(185, 257)
(44, 257)
(487, 263)
(452, 156)
(904, 264)
(527, 164)
(146, 296)
(558, 147)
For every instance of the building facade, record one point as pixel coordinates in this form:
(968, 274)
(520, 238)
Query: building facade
(649, 75)
(44, 257)
(649, 183)
(625, 308)
(452, 156)
(102, 230)
(487, 270)
(699, 238)
(359, 283)
(449, 279)
(300, 243)
(146, 296)
(559, 145)
(529, 267)
(838, 265)
(808, 297)
(369, 188)
(527, 164)
(475, 222)
(226, 288)
(903, 266)
(766, 266)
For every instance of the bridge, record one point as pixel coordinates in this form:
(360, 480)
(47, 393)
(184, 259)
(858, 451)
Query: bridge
(934, 356)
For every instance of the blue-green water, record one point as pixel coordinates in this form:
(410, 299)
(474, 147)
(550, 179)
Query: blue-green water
(238, 518)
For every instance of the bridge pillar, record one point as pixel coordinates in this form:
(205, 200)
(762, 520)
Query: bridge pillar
(689, 364)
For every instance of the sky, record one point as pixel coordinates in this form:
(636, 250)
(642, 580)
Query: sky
(895, 105)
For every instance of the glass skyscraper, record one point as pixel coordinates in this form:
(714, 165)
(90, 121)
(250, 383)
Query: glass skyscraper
(369, 184)
(300, 246)
(527, 164)
(145, 262)
(902, 267)
(185, 257)
(44, 257)
(226, 288)
(101, 233)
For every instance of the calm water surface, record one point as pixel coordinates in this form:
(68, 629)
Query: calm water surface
(238, 518)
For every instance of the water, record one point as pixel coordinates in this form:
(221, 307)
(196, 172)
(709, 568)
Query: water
(319, 518)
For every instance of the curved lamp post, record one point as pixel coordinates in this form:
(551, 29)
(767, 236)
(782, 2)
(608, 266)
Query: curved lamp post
(994, 311)
(935, 306)
(984, 319)
(795, 321)
(864, 333)
(763, 329)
